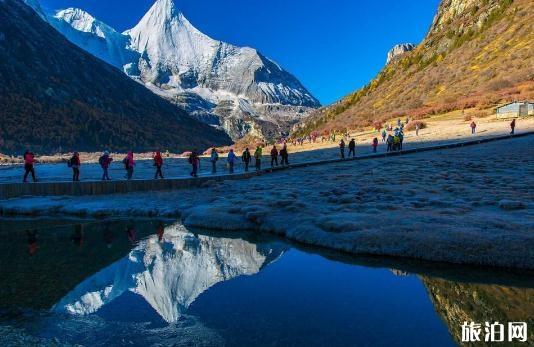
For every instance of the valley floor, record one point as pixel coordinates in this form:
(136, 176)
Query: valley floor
(472, 205)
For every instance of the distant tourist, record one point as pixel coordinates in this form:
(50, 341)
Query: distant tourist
(29, 162)
(399, 122)
(352, 148)
(389, 142)
(231, 161)
(473, 127)
(213, 159)
(396, 143)
(384, 135)
(417, 127)
(194, 160)
(257, 155)
(375, 144)
(129, 165)
(105, 161)
(512, 126)
(342, 149)
(401, 140)
(246, 157)
(284, 154)
(74, 163)
(158, 163)
(274, 156)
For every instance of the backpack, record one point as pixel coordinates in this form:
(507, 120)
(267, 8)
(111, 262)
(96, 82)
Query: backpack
(101, 161)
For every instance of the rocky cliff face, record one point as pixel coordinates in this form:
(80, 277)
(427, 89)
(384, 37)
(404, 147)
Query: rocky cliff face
(232, 87)
(457, 303)
(399, 50)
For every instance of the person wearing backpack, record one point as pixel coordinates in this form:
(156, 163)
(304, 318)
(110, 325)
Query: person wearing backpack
(74, 163)
(104, 161)
(389, 142)
(213, 159)
(257, 155)
(29, 162)
(129, 165)
(274, 156)
(284, 154)
(158, 163)
(473, 127)
(342, 149)
(231, 161)
(375, 144)
(246, 157)
(194, 160)
(352, 148)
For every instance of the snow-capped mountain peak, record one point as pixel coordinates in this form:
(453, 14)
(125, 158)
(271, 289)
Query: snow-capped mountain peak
(236, 88)
(84, 22)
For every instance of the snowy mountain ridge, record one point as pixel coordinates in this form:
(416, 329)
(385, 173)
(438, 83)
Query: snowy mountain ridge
(236, 88)
(170, 274)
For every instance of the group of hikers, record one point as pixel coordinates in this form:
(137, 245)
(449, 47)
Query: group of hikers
(194, 160)
(393, 138)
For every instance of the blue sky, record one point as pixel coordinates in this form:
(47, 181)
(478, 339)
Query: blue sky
(333, 46)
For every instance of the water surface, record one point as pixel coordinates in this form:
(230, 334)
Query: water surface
(126, 282)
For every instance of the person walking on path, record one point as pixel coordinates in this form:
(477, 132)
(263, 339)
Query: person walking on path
(284, 154)
(384, 135)
(342, 149)
(352, 148)
(129, 165)
(246, 157)
(214, 157)
(194, 160)
(158, 163)
(389, 142)
(29, 162)
(375, 144)
(105, 161)
(75, 163)
(231, 161)
(512, 126)
(274, 156)
(417, 129)
(396, 143)
(257, 155)
(473, 127)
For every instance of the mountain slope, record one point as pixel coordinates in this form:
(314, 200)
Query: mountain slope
(55, 96)
(234, 87)
(477, 53)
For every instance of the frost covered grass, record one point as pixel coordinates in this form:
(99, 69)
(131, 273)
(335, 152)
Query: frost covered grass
(470, 205)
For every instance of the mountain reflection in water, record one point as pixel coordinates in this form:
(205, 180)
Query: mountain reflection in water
(158, 283)
(170, 274)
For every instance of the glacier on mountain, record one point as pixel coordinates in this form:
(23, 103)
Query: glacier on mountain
(236, 88)
(170, 273)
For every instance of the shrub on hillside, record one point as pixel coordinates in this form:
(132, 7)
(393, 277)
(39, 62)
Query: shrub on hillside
(411, 126)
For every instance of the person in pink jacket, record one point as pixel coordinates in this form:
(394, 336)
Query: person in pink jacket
(29, 161)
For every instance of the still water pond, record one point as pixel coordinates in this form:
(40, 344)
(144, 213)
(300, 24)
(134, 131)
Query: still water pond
(143, 283)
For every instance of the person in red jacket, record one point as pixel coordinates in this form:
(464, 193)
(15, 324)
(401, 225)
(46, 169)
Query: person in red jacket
(375, 144)
(158, 163)
(75, 164)
(274, 156)
(29, 161)
(473, 127)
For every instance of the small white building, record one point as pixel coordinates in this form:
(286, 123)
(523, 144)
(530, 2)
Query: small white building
(515, 109)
